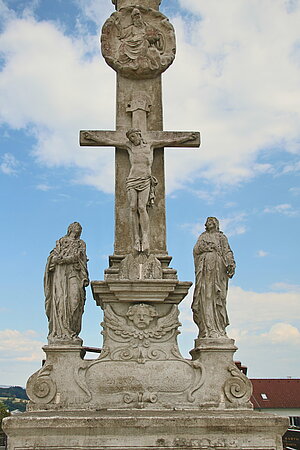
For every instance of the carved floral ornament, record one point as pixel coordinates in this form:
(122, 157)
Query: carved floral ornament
(138, 42)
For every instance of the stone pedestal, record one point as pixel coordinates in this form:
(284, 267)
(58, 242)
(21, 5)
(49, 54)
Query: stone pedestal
(225, 383)
(145, 430)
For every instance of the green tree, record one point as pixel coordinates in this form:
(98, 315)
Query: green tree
(3, 413)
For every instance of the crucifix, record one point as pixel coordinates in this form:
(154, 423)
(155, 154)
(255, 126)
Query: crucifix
(140, 222)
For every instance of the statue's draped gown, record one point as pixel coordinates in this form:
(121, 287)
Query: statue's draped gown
(64, 288)
(209, 303)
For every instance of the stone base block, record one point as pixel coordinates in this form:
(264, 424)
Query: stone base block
(145, 430)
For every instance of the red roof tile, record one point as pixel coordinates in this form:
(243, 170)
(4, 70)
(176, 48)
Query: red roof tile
(276, 393)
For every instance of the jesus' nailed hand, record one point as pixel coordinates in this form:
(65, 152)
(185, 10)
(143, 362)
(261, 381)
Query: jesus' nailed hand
(140, 182)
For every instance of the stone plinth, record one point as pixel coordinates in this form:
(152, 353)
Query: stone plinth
(145, 430)
(225, 384)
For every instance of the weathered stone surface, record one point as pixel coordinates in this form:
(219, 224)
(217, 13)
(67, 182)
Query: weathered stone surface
(145, 430)
(66, 277)
(140, 393)
(117, 266)
(214, 265)
(146, 3)
(140, 267)
(226, 386)
(150, 291)
(138, 42)
(139, 52)
(140, 184)
(126, 89)
(140, 365)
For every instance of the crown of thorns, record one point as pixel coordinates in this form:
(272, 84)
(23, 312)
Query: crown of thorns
(133, 130)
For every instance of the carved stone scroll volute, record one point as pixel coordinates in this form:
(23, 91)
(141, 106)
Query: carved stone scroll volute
(238, 388)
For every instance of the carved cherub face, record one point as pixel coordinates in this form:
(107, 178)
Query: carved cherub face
(141, 315)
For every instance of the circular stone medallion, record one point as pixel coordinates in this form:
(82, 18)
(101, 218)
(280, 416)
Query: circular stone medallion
(138, 42)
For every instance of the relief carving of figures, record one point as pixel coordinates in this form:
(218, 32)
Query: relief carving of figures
(214, 265)
(66, 277)
(138, 42)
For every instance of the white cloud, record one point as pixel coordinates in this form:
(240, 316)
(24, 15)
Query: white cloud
(265, 327)
(231, 225)
(234, 224)
(258, 310)
(236, 79)
(55, 95)
(5, 12)
(20, 346)
(295, 190)
(280, 286)
(96, 11)
(283, 208)
(262, 253)
(290, 168)
(253, 313)
(234, 89)
(43, 187)
(8, 164)
(283, 332)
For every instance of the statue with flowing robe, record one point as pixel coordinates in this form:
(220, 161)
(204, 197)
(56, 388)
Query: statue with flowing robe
(214, 265)
(65, 280)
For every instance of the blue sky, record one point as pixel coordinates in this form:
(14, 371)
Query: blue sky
(236, 79)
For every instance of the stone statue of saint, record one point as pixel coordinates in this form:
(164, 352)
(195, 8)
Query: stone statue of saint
(214, 265)
(140, 184)
(66, 277)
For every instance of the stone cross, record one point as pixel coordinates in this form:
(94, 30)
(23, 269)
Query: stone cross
(138, 42)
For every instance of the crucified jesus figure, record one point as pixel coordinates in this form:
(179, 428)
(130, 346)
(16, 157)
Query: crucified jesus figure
(140, 184)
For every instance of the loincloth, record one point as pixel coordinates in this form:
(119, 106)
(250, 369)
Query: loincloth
(141, 184)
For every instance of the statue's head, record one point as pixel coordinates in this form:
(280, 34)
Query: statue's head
(136, 17)
(134, 135)
(212, 223)
(74, 228)
(141, 315)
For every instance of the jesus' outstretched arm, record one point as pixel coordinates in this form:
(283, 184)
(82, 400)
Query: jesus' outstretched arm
(174, 141)
(111, 139)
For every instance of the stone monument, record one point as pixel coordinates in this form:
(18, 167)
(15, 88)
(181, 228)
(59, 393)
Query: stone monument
(140, 393)
(66, 277)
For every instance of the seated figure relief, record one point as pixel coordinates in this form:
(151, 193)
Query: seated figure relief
(138, 46)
